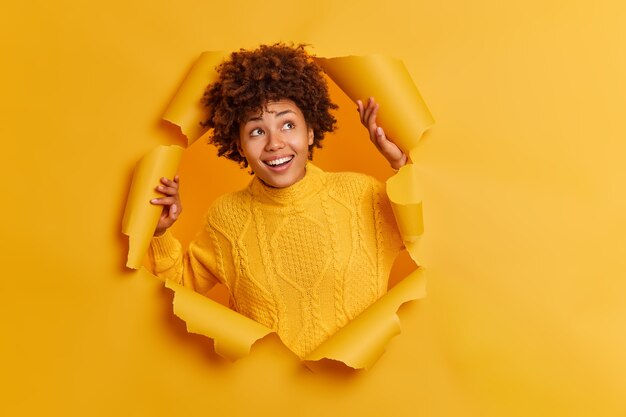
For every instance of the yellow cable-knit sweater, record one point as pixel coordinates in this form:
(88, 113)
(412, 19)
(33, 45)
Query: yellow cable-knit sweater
(301, 260)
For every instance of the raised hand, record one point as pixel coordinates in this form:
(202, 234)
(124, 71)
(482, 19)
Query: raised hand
(397, 159)
(171, 204)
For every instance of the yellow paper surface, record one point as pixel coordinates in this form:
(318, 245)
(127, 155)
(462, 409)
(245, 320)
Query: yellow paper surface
(403, 114)
(523, 209)
(141, 217)
(233, 333)
(186, 109)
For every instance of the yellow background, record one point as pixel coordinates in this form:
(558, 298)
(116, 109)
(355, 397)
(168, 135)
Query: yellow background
(523, 195)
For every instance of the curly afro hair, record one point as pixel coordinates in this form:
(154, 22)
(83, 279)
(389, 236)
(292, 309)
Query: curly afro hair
(250, 79)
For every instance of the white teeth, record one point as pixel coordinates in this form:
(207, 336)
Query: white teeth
(279, 161)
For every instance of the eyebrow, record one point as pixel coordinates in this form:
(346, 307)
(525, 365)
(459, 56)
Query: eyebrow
(260, 117)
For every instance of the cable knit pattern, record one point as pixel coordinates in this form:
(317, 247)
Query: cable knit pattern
(302, 260)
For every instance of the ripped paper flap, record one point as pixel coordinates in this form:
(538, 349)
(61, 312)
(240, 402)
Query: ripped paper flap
(141, 217)
(406, 201)
(233, 334)
(186, 109)
(403, 113)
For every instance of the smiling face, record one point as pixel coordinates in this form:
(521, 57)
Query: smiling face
(275, 142)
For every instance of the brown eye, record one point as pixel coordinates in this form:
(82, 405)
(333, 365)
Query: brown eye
(257, 132)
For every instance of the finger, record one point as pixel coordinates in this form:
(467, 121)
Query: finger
(363, 111)
(371, 121)
(371, 106)
(390, 150)
(364, 108)
(164, 201)
(371, 125)
(167, 190)
(383, 141)
(380, 139)
(170, 183)
(359, 104)
(174, 211)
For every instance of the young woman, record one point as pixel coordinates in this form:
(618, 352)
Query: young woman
(301, 251)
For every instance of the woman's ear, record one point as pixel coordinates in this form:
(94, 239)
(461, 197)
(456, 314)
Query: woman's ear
(311, 136)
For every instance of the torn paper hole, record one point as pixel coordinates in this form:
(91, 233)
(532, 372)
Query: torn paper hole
(361, 342)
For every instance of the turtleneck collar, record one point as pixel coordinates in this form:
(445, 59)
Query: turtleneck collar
(307, 187)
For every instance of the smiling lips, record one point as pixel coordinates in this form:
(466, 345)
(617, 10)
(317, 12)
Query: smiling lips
(278, 162)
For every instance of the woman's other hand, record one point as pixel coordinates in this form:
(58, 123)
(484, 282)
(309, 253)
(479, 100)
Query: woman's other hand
(170, 202)
(397, 159)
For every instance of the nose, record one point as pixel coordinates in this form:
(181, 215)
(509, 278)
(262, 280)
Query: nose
(274, 142)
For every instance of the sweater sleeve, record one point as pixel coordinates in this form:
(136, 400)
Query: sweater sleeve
(196, 268)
